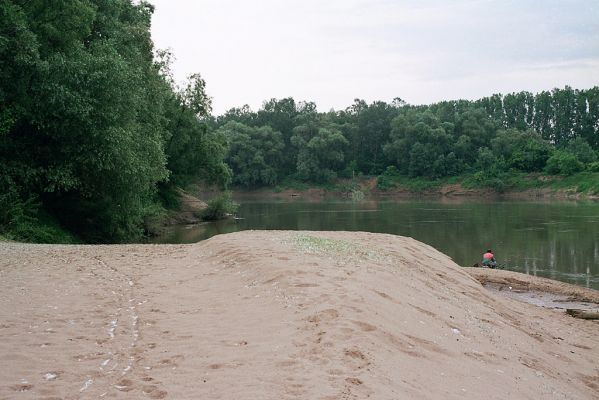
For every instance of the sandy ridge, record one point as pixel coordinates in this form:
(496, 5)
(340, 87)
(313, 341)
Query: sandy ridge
(276, 315)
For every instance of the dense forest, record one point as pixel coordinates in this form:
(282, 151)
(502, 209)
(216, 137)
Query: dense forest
(554, 132)
(96, 136)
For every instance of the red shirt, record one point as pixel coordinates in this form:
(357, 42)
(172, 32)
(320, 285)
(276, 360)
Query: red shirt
(488, 256)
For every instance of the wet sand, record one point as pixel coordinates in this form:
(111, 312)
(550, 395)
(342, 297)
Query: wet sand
(277, 315)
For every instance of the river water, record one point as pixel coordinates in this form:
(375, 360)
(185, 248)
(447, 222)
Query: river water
(559, 240)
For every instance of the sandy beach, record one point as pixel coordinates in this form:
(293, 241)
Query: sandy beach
(278, 315)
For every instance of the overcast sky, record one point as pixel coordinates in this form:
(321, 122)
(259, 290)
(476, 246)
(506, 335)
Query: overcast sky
(332, 51)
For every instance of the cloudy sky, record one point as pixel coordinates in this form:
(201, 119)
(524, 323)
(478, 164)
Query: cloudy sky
(332, 51)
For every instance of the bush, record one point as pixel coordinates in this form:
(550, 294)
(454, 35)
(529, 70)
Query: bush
(563, 163)
(220, 207)
(169, 197)
(593, 167)
(582, 150)
(23, 220)
(388, 179)
(491, 179)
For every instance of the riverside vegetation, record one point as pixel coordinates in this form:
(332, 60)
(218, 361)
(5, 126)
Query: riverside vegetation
(96, 136)
(518, 140)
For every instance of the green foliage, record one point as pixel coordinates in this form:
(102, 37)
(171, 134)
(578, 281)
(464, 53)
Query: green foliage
(168, 196)
(488, 178)
(88, 125)
(422, 145)
(194, 151)
(593, 167)
(524, 151)
(490, 172)
(24, 221)
(517, 132)
(351, 170)
(422, 184)
(320, 152)
(15, 212)
(42, 229)
(392, 178)
(368, 130)
(582, 150)
(254, 154)
(563, 163)
(583, 182)
(220, 207)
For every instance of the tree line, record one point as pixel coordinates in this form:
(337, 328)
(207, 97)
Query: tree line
(555, 131)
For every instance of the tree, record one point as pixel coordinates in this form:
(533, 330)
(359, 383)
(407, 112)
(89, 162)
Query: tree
(525, 151)
(544, 116)
(518, 110)
(194, 96)
(194, 150)
(320, 152)
(254, 154)
(582, 150)
(373, 126)
(418, 139)
(564, 105)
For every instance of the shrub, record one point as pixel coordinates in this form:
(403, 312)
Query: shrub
(563, 163)
(23, 220)
(220, 207)
(593, 167)
(388, 179)
(491, 178)
(582, 150)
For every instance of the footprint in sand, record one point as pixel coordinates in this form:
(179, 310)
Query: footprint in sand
(356, 356)
(306, 285)
(325, 315)
(154, 392)
(364, 326)
(384, 295)
(171, 362)
(124, 385)
(355, 353)
(353, 381)
(22, 387)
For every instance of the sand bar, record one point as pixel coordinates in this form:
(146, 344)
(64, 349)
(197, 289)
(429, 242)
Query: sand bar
(277, 315)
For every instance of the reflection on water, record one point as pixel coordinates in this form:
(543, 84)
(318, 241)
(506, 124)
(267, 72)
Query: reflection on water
(559, 240)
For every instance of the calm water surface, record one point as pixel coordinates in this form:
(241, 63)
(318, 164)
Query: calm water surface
(559, 240)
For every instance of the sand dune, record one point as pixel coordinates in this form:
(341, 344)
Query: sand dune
(277, 315)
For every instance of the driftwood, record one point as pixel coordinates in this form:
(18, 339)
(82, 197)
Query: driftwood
(583, 314)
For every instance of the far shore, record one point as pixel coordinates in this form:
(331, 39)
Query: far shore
(369, 190)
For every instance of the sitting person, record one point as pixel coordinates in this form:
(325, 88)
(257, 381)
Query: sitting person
(489, 259)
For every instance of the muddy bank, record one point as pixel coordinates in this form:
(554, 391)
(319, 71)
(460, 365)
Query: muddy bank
(276, 315)
(522, 282)
(451, 192)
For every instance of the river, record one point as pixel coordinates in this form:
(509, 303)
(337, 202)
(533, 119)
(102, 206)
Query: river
(558, 240)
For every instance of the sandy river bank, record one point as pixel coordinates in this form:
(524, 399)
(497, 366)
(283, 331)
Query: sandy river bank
(277, 315)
